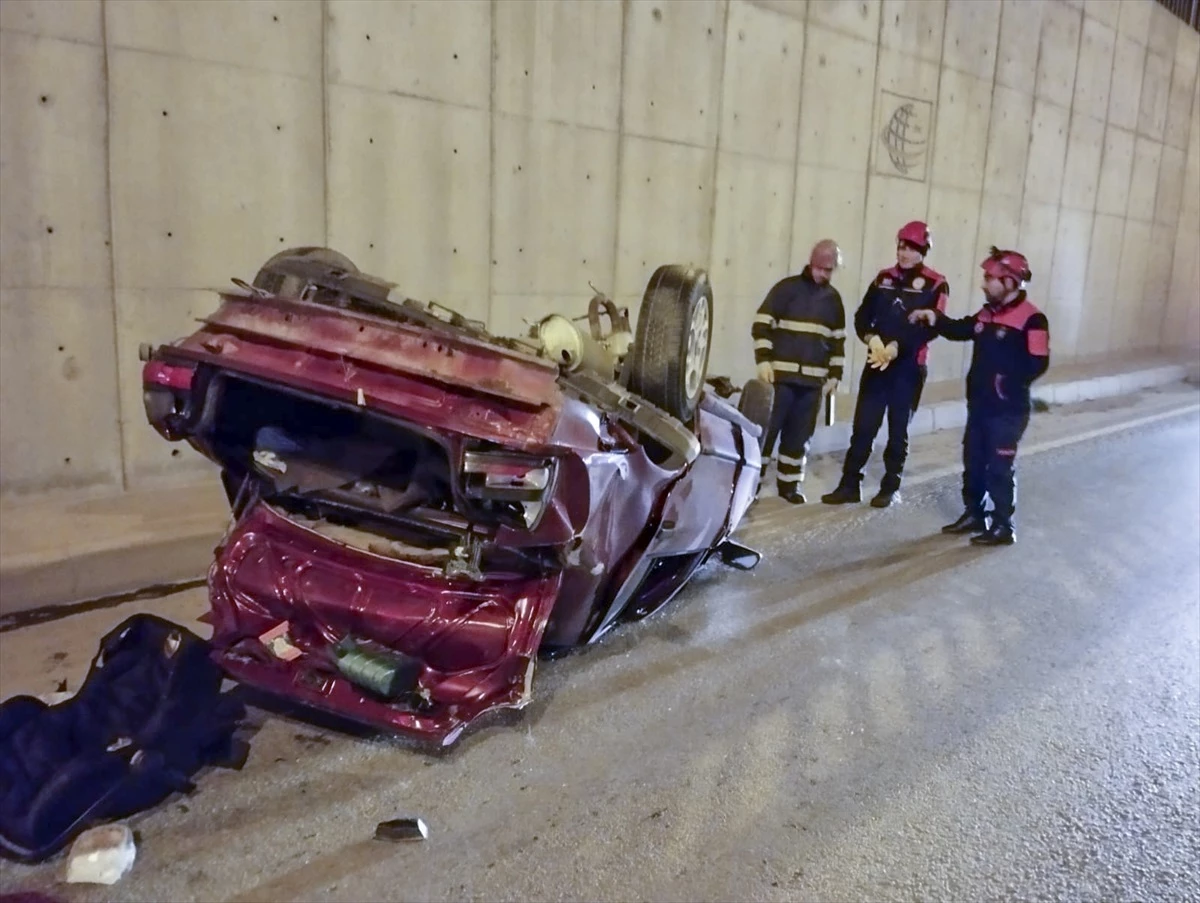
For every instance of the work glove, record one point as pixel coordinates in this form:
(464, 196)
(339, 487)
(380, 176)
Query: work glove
(874, 349)
(766, 373)
(879, 360)
(924, 315)
(830, 386)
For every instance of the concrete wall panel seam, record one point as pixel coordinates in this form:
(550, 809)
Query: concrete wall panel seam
(1157, 185)
(612, 291)
(791, 226)
(34, 34)
(327, 135)
(365, 89)
(625, 133)
(1037, 63)
(987, 146)
(937, 93)
(1103, 159)
(122, 415)
(1129, 180)
(490, 314)
(870, 166)
(567, 123)
(778, 13)
(1062, 187)
(712, 213)
(220, 64)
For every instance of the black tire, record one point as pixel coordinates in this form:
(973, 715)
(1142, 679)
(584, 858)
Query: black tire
(278, 284)
(758, 397)
(666, 364)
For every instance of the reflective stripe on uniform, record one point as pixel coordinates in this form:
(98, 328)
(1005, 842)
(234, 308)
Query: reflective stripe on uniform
(788, 461)
(765, 319)
(837, 361)
(763, 344)
(802, 326)
(782, 477)
(805, 370)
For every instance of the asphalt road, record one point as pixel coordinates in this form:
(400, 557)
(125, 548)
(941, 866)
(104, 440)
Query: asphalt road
(877, 713)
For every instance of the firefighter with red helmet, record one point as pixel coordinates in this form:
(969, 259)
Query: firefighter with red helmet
(894, 376)
(1011, 350)
(799, 337)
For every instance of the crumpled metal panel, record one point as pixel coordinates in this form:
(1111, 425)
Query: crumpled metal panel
(477, 641)
(357, 338)
(389, 392)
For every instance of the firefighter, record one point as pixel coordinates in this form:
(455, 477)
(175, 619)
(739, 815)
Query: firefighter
(894, 375)
(799, 345)
(1011, 350)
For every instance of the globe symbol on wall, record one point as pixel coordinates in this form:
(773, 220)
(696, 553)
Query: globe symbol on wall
(903, 138)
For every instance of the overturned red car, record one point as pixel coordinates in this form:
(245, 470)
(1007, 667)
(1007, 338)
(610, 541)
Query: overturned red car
(421, 507)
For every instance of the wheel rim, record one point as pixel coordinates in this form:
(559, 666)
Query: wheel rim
(697, 350)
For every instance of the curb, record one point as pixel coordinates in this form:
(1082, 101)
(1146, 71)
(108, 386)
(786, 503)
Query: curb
(943, 415)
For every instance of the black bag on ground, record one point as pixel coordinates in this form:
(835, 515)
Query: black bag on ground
(149, 715)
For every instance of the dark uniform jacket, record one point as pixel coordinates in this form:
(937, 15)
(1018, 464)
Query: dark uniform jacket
(800, 330)
(1012, 349)
(888, 301)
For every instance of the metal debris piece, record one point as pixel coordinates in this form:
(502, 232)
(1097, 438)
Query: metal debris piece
(101, 855)
(402, 829)
(277, 640)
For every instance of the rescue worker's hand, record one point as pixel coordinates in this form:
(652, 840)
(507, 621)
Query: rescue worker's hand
(879, 360)
(766, 373)
(924, 315)
(830, 386)
(874, 350)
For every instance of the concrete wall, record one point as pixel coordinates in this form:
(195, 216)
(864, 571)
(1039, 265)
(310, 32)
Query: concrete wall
(499, 156)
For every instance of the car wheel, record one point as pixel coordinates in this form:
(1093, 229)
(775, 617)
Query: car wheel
(668, 361)
(758, 397)
(277, 283)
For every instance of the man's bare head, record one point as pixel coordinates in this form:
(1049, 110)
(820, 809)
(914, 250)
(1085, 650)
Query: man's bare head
(825, 257)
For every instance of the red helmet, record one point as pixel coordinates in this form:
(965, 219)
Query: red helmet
(916, 234)
(1007, 265)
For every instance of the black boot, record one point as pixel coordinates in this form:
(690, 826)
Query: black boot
(889, 488)
(791, 493)
(885, 497)
(844, 494)
(998, 535)
(967, 523)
